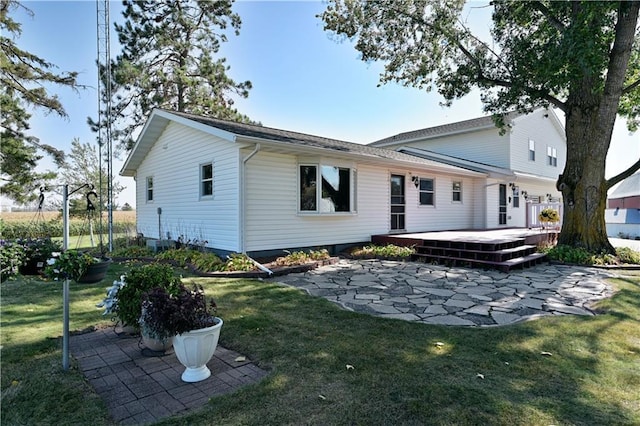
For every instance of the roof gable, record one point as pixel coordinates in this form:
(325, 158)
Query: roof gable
(465, 126)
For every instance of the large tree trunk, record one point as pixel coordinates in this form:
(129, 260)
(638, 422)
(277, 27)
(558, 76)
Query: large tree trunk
(583, 183)
(590, 116)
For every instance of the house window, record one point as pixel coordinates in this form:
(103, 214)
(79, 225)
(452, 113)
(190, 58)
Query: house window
(427, 192)
(516, 197)
(308, 191)
(150, 188)
(532, 150)
(552, 156)
(456, 189)
(206, 180)
(333, 195)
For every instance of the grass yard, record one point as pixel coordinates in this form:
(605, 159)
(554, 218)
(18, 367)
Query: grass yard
(329, 366)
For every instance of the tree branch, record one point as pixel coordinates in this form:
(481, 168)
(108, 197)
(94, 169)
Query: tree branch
(547, 14)
(622, 176)
(631, 87)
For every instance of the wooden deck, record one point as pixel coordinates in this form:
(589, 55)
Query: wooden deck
(503, 249)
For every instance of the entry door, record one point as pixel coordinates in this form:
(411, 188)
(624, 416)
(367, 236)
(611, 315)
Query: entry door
(502, 205)
(397, 202)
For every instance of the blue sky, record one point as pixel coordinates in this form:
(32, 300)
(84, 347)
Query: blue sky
(303, 79)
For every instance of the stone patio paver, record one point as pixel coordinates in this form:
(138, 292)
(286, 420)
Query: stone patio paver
(455, 296)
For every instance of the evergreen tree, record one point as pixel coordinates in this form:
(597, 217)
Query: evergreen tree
(582, 57)
(22, 78)
(168, 61)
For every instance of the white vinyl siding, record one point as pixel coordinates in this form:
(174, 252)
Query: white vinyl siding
(544, 132)
(482, 146)
(444, 215)
(273, 220)
(174, 162)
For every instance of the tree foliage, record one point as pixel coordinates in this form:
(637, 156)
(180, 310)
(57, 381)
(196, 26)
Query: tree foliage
(581, 57)
(169, 61)
(23, 77)
(83, 167)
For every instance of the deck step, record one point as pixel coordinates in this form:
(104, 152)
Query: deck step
(473, 254)
(505, 266)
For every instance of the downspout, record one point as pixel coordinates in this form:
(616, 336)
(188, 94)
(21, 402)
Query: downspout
(242, 210)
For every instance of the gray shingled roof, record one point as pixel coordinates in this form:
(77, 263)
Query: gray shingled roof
(302, 139)
(630, 187)
(460, 126)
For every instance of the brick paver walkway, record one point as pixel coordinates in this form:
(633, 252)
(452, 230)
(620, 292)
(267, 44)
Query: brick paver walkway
(139, 390)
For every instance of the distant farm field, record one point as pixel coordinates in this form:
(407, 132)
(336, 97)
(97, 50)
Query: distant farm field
(49, 224)
(118, 216)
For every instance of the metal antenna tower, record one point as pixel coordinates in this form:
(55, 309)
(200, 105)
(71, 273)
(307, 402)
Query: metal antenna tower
(104, 113)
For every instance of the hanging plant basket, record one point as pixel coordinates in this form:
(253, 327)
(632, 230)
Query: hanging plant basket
(95, 272)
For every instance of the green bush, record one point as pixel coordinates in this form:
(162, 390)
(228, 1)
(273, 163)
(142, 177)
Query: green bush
(239, 262)
(386, 251)
(139, 281)
(12, 256)
(207, 262)
(627, 255)
(580, 256)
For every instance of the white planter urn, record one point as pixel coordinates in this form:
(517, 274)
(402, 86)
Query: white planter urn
(195, 348)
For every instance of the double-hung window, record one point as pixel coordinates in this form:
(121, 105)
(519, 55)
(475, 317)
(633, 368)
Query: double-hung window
(206, 180)
(149, 188)
(552, 156)
(325, 189)
(456, 192)
(427, 192)
(532, 150)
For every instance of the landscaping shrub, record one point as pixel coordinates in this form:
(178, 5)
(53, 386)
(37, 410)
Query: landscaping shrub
(387, 251)
(627, 255)
(139, 281)
(12, 256)
(239, 262)
(580, 256)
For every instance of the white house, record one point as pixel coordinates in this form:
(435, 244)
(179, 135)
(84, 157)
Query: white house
(522, 165)
(254, 189)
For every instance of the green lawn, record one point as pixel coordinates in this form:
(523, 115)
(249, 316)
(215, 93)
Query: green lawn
(403, 373)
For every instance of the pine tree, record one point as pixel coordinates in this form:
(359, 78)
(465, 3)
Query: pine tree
(22, 75)
(168, 60)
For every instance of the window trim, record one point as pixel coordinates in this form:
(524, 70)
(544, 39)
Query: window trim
(552, 156)
(318, 190)
(201, 181)
(432, 192)
(532, 150)
(149, 189)
(454, 191)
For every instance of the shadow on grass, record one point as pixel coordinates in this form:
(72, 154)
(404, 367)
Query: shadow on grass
(408, 373)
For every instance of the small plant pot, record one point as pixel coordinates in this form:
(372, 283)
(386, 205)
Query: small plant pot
(157, 345)
(95, 272)
(195, 348)
(33, 267)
